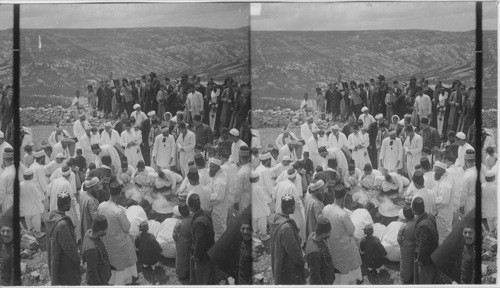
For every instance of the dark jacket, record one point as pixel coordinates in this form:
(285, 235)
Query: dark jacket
(430, 138)
(468, 272)
(286, 254)
(62, 252)
(245, 263)
(426, 236)
(202, 231)
(96, 256)
(148, 249)
(319, 260)
(374, 251)
(203, 134)
(6, 259)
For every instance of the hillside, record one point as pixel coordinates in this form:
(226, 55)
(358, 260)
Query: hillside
(71, 57)
(6, 56)
(289, 63)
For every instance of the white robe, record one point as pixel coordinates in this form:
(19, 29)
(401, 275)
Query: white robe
(278, 169)
(218, 200)
(85, 145)
(110, 140)
(336, 153)
(79, 128)
(107, 150)
(306, 133)
(30, 199)
(164, 153)
(231, 171)
(95, 138)
(444, 207)
(289, 188)
(39, 177)
(265, 179)
(359, 156)
(280, 141)
(204, 194)
(187, 142)
(460, 162)
(235, 151)
(415, 148)
(468, 189)
(313, 146)
(7, 187)
(456, 176)
(243, 187)
(366, 119)
(391, 155)
(339, 143)
(53, 139)
(51, 167)
(298, 181)
(285, 151)
(139, 117)
(58, 148)
(132, 153)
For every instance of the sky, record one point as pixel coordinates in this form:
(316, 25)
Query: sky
(455, 16)
(209, 15)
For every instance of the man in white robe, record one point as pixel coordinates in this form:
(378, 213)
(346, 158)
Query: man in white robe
(138, 115)
(371, 178)
(80, 126)
(7, 180)
(468, 188)
(234, 136)
(141, 174)
(358, 145)
(456, 176)
(131, 143)
(95, 137)
(39, 176)
(334, 153)
(107, 150)
(198, 188)
(312, 145)
(231, 170)
(427, 195)
(413, 149)
(109, 136)
(463, 146)
(218, 200)
(243, 186)
(287, 150)
(280, 167)
(391, 153)
(62, 185)
(264, 171)
(306, 130)
(185, 147)
(85, 145)
(337, 139)
(164, 150)
(53, 165)
(58, 135)
(444, 202)
(63, 147)
(366, 117)
(3, 146)
(285, 138)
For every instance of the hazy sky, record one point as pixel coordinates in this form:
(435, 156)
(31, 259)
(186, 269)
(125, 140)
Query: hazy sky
(212, 15)
(443, 16)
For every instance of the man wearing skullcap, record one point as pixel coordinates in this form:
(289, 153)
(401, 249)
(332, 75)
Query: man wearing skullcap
(185, 147)
(287, 261)
(242, 197)
(7, 179)
(468, 188)
(231, 170)
(260, 207)
(138, 115)
(306, 130)
(7, 248)
(31, 206)
(52, 166)
(89, 203)
(413, 149)
(288, 150)
(314, 205)
(391, 153)
(218, 197)
(444, 200)
(345, 252)
(489, 200)
(57, 135)
(39, 178)
(62, 183)
(264, 171)
(62, 250)
(107, 150)
(196, 188)
(337, 138)
(163, 154)
(80, 125)
(234, 137)
(366, 117)
(280, 167)
(95, 254)
(358, 144)
(426, 243)
(202, 269)
(291, 187)
(109, 136)
(319, 258)
(122, 254)
(463, 146)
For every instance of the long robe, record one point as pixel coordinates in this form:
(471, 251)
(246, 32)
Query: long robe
(336, 153)
(287, 187)
(85, 144)
(112, 139)
(468, 189)
(231, 171)
(306, 132)
(164, 149)
(282, 141)
(107, 150)
(285, 151)
(132, 153)
(313, 211)
(342, 244)
(390, 155)
(444, 207)
(57, 186)
(265, 179)
(54, 138)
(460, 162)
(88, 211)
(39, 177)
(338, 141)
(360, 156)
(406, 240)
(182, 238)
(243, 187)
(313, 144)
(235, 151)
(414, 146)
(218, 200)
(79, 128)
(187, 142)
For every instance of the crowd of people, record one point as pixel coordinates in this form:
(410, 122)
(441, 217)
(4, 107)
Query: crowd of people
(378, 174)
(120, 197)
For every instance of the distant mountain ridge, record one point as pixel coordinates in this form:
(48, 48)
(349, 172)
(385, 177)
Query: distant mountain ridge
(289, 63)
(70, 58)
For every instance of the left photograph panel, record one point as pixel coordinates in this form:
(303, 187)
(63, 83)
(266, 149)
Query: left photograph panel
(135, 143)
(7, 170)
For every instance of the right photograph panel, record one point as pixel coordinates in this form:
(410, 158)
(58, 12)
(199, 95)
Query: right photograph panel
(364, 143)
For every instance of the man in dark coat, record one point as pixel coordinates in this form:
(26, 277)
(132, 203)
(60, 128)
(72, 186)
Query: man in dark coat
(329, 99)
(155, 87)
(426, 237)
(468, 271)
(286, 253)
(7, 249)
(372, 134)
(318, 255)
(202, 269)
(430, 136)
(62, 251)
(145, 145)
(202, 131)
(95, 253)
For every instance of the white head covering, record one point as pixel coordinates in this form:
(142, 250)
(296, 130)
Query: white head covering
(379, 116)
(316, 185)
(254, 175)
(234, 132)
(287, 158)
(151, 113)
(40, 153)
(364, 109)
(92, 182)
(440, 165)
(28, 172)
(460, 135)
(136, 106)
(1, 134)
(265, 156)
(215, 161)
